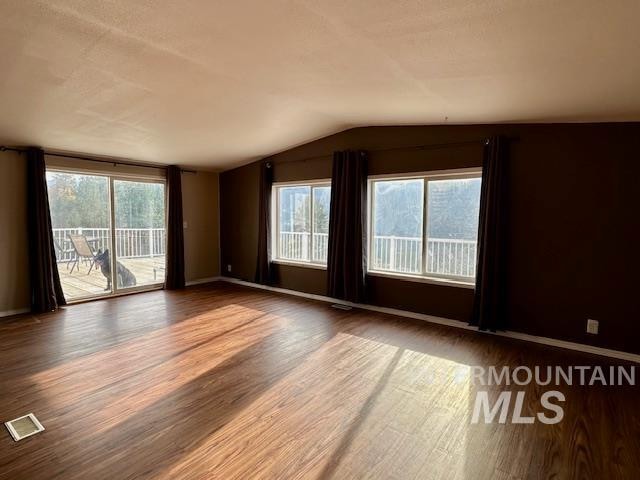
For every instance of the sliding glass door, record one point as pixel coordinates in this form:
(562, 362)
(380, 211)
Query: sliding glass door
(93, 216)
(80, 208)
(139, 233)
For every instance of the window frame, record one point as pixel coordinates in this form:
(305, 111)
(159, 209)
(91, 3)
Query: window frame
(111, 178)
(275, 223)
(424, 277)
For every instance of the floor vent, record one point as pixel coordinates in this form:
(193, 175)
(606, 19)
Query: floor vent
(340, 306)
(24, 427)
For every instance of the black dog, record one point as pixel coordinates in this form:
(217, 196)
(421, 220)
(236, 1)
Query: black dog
(125, 277)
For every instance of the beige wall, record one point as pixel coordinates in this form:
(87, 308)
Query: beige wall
(200, 204)
(14, 262)
(200, 212)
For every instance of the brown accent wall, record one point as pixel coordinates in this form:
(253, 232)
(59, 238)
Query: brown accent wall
(239, 221)
(573, 222)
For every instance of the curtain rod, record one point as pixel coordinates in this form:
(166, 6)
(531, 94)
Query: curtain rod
(89, 159)
(435, 146)
(431, 146)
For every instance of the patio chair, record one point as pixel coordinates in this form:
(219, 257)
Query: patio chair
(159, 268)
(83, 251)
(64, 254)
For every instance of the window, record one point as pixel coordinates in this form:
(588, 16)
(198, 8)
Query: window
(425, 226)
(301, 215)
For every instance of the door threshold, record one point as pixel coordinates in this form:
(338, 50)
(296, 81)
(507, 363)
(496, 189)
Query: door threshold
(153, 288)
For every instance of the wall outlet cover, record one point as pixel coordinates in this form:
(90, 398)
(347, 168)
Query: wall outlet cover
(592, 326)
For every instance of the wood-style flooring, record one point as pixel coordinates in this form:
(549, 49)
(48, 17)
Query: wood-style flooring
(222, 381)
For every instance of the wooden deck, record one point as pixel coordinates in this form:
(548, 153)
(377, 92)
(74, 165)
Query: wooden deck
(80, 284)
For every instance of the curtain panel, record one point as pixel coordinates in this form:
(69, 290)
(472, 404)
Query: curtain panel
(490, 293)
(264, 272)
(175, 232)
(46, 290)
(347, 227)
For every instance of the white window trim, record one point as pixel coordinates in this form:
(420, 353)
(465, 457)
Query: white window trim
(275, 224)
(447, 281)
(457, 172)
(426, 277)
(293, 263)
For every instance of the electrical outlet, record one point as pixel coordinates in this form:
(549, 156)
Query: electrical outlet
(185, 225)
(229, 268)
(592, 326)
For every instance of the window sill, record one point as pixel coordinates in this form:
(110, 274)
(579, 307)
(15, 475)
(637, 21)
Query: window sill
(446, 282)
(293, 263)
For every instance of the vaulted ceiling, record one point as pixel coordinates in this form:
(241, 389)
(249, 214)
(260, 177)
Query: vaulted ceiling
(219, 83)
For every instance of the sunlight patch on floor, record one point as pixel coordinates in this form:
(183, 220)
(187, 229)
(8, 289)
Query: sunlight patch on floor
(301, 387)
(107, 379)
(384, 398)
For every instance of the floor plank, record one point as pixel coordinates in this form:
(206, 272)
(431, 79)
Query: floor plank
(222, 381)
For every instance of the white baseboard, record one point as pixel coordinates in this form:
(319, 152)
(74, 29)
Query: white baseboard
(580, 347)
(200, 281)
(17, 311)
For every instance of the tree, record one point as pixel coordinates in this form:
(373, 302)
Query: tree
(83, 201)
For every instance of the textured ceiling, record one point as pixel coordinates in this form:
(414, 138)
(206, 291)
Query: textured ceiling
(219, 83)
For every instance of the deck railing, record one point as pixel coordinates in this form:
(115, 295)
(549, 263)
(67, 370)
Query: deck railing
(396, 254)
(130, 242)
(445, 256)
(295, 246)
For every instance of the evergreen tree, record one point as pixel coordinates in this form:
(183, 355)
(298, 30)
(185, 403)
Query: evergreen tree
(83, 201)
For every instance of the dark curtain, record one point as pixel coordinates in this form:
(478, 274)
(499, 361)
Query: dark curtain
(263, 269)
(175, 232)
(46, 290)
(347, 230)
(489, 300)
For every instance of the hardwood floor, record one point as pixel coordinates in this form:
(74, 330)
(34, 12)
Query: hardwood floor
(222, 381)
